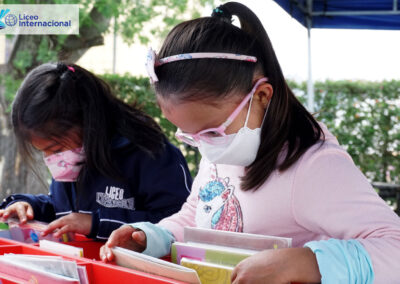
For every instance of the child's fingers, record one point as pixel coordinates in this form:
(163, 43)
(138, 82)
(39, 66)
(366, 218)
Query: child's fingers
(29, 212)
(139, 237)
(102, 253)
(112, 239)
(52, 226)
(63, 230)
(106, 253)
(7, 212)
(109, 254)
(123, 233)
(21, 212)
(233, 275)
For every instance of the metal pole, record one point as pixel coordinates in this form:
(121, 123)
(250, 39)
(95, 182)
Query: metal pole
(310, 85)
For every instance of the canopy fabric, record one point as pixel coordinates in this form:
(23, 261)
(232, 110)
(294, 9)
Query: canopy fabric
(345, 14)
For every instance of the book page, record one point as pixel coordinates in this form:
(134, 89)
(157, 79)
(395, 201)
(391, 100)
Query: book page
(20, 270)
(209, 273)
(56, 265)
(209, 253)
(235, 239)
(61, 248)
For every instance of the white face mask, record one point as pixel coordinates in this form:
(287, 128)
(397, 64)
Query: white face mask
(240, 148)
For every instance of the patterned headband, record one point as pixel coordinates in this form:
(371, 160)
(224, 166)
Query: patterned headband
(153, 62)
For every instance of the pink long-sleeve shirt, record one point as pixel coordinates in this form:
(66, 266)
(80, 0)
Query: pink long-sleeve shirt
(322, 196)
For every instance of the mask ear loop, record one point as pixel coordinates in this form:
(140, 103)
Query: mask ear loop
(266, 111)
(248, 112)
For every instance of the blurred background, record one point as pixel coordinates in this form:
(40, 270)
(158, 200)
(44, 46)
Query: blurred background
(355, 72)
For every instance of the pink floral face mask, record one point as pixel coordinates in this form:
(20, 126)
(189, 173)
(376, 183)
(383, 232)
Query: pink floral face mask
(65, 166)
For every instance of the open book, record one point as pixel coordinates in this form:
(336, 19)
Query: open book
(43, 269)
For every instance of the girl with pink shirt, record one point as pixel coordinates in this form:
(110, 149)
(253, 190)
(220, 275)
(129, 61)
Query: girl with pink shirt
(268, 166)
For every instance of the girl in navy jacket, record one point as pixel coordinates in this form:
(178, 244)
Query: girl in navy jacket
(110, 163)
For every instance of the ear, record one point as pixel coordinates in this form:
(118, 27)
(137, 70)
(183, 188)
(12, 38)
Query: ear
(264, 94)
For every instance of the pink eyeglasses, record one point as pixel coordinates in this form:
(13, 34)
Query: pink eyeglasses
(218, 134)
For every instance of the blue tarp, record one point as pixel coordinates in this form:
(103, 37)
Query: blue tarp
(346, 14)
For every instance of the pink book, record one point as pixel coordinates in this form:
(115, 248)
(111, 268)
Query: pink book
(31, 274)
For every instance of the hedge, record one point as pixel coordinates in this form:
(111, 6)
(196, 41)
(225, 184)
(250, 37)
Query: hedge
(364, 116)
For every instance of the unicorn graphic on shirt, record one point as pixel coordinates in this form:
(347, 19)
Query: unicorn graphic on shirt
(218, 208)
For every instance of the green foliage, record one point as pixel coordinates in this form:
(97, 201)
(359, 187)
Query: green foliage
(45, 53)
(138, 21)
(10, 88)
(365, 117)
(22, 61)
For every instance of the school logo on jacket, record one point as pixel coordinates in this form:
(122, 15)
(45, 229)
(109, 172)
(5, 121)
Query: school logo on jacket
(218, 208)
(113, 197)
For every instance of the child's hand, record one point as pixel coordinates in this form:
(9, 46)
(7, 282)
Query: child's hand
(278, 266)
(75, 222)
(126, 237)
(21, 209)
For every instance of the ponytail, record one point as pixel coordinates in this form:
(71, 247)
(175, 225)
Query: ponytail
(288, 128)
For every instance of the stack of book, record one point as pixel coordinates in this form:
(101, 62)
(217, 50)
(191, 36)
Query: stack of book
(29, 232)
(42, 269)
(214, 254)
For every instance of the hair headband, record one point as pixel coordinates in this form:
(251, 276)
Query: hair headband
(153, 62)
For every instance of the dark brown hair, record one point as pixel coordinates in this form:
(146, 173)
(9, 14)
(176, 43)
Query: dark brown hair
(55, 98)
(288, 125)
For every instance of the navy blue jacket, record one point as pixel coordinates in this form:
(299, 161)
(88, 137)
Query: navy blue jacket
(154, 188)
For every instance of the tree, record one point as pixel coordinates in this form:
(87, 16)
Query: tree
(136, 21)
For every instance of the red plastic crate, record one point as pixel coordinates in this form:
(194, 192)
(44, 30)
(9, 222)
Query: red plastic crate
(98, 272)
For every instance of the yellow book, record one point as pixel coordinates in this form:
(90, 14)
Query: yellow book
(209, 273)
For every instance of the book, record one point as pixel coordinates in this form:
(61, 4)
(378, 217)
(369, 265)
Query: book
(214, 254)
(42, 269)
(4, 231)
(206, 256)
(223, 247)
(138, 261)
(235, 239)
(208, 253)
(209, 273)
(30, 232)
(61, 248)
